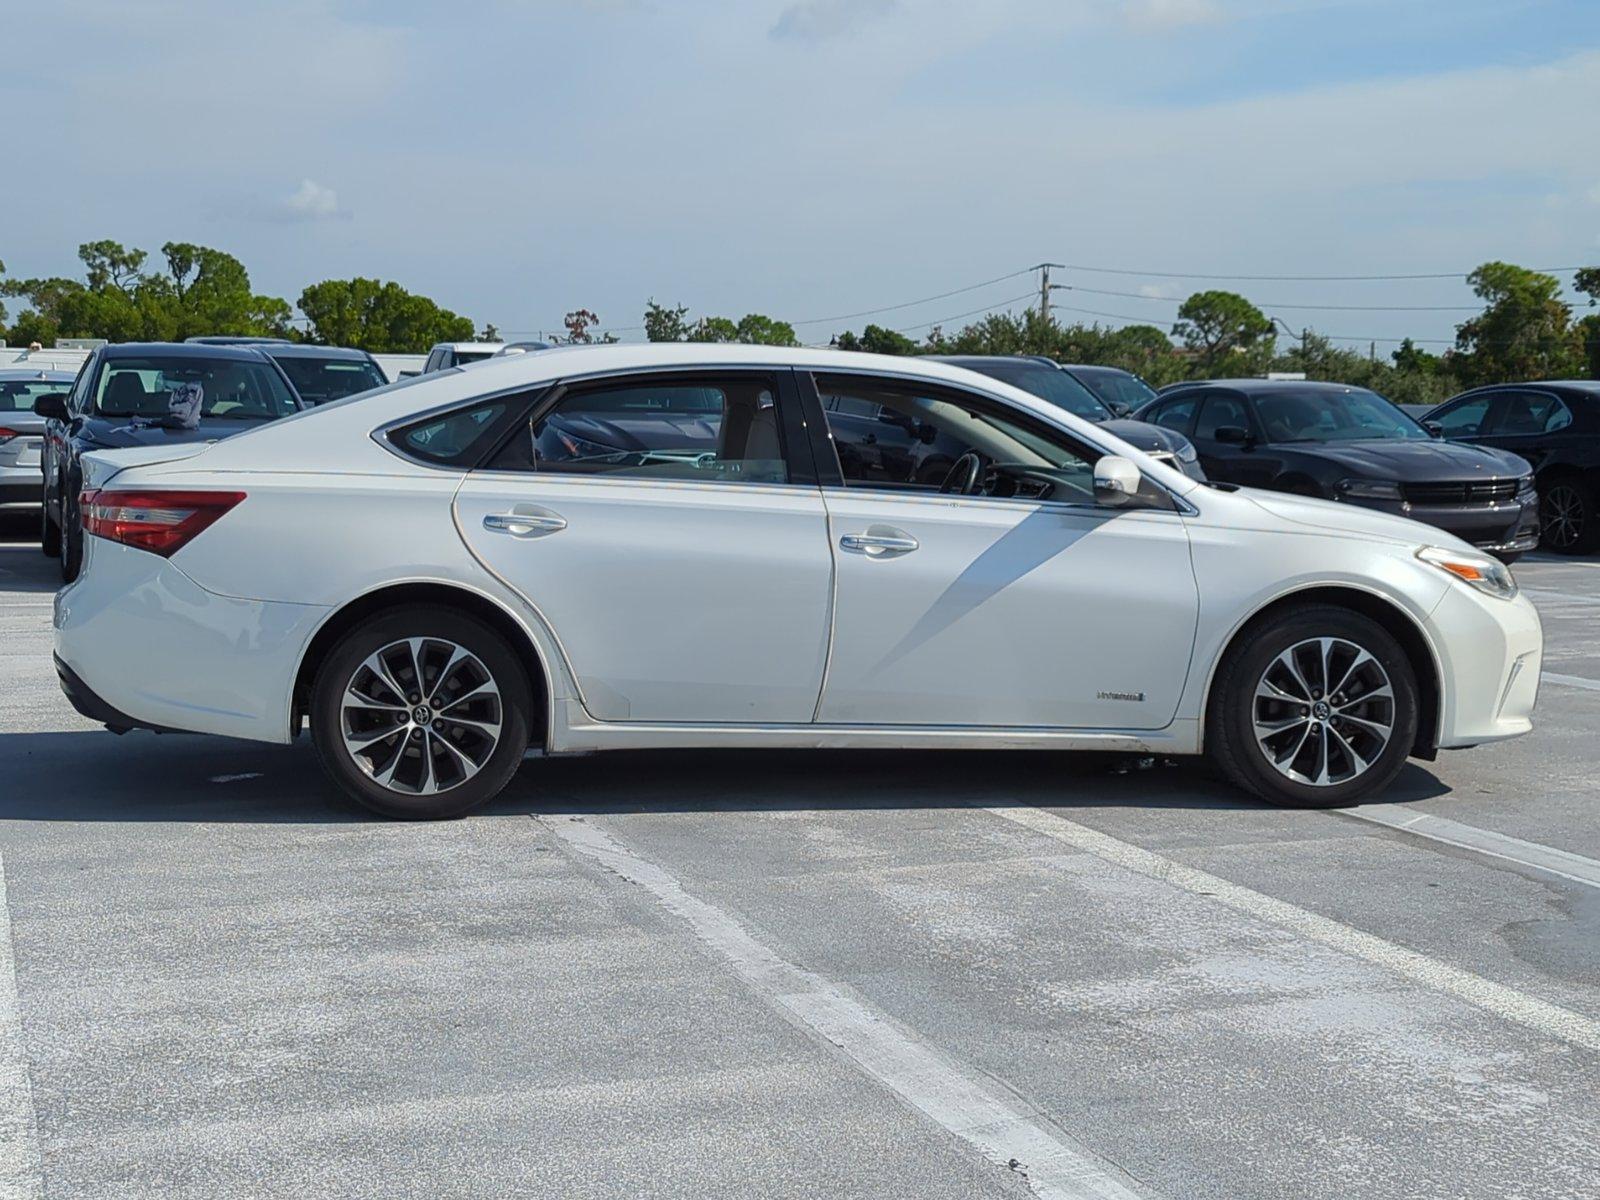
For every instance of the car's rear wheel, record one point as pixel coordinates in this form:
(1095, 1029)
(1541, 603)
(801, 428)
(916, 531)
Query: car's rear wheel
(1316, 708)
(421, 713)
(1568, 520)
(49, 534)
(71, 540)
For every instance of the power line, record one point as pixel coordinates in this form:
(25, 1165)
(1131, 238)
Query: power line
(869, 312)
(975, 312)
(1462, 275)
(1069, 287)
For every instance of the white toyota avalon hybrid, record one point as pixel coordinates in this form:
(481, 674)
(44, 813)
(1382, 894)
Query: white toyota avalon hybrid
(640, 546)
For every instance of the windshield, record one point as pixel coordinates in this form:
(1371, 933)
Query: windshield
(1116, 387)
(319, 380)
(1324, 415)
(1051, 384)
(229, 389)
(18, 395)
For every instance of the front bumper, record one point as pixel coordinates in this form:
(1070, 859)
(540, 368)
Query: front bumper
(1503, 527)
(1490, 655)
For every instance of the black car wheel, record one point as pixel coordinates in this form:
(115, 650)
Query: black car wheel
(421, 713)
(49, 534)
(71, 539)
(1567, 517)
(1316, 708)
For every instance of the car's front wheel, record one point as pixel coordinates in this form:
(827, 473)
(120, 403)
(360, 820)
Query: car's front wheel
(49, 533)
(1569, 522)
(421, 713)
(1315, 708)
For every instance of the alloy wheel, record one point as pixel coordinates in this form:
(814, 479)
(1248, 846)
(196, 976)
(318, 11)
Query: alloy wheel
(421, 715)
(1323, 711)
(1561, 516)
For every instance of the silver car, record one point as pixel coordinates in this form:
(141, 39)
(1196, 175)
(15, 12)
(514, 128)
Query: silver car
(22, 433)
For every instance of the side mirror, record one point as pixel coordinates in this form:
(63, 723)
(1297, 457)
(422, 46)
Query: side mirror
(52, 406)
(1433, 427)
(1116, 481)
(1233, 435)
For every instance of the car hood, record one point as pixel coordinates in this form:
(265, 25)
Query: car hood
(1144, 436)
(683, 432)
(1350, 520)
(1432, 461)
(117, 433)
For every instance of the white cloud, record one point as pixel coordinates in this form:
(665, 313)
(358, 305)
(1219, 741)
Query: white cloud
(1170, 14)
(817, 20)
(312, 201)
(1160, 291)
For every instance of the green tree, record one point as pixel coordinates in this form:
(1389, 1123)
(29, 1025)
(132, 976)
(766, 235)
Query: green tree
(1524, 331)
(663, 324)
(756, 329)
(381, 317)
(1223, 330)
(875, 339)
(1587, 281)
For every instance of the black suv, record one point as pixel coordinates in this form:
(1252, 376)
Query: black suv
(147, 394)
(1352, 445)
(1556, 427)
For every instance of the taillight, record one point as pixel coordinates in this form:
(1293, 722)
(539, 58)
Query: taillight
(7, 434)
(159, 521)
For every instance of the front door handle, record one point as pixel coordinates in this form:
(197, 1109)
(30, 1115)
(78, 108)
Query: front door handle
(879, 545)
(525, 524)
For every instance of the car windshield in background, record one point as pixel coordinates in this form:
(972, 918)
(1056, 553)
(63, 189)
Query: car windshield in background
(472, 356)
(1318, 415)
(18, 395)
(230, 389)
(1117, 387)
(319, 380)
(1056, 386)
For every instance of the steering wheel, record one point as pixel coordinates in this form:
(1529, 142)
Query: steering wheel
(964, 477)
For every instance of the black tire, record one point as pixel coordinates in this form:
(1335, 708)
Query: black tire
(1569, 516)
(1231, 740)
(428, 622)
(71, 540)
(49, 534)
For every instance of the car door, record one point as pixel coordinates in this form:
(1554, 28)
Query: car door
(1529, 422)
(999, 611)
(1466, 418)
(677, 553)
(1245, 462)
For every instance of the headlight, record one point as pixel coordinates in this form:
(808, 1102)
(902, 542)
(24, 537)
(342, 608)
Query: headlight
(1525, 485)
(1489, 576)
(1186, 452)
(1368, 489)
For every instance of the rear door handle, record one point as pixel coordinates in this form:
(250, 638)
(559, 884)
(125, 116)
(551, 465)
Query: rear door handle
(879, 545)
(525, 524)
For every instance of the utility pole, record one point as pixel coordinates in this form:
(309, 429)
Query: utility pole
(1044, 289)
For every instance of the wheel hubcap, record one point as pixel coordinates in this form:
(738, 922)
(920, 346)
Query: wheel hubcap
(1561, 515)
(421, 716)
(1323, 711)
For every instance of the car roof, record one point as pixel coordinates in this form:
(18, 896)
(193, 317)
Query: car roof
(304, 350)
(1101, 367)
(978, 362)
(182, 350)
(1264, 387)
(490, 346)
(1584, 387)
(15, 375)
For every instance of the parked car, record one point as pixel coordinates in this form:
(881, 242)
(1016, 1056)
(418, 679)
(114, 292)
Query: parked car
(235, 339)
(1045, 379)
(445, 355)
(324, 373)
(159, 395)
(1120, 391)
(22, 431)
(472, 598)
(1353, 446)
(1556, 427)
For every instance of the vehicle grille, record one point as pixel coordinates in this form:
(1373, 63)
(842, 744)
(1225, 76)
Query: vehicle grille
(1487, 492)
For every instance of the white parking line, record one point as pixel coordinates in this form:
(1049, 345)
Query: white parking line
(1002, 1126)
(1508, 1003)
(1577, 681)
(1497, 845)
(21, 1171)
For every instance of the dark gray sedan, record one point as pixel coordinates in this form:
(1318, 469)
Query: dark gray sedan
(22, 432)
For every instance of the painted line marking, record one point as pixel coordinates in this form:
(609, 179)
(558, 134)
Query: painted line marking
(21, 1169)
(1538, 1015)
(1484, 841)
(1002, 1126)
(1577, 681)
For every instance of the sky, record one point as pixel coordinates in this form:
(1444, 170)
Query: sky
(516, 159)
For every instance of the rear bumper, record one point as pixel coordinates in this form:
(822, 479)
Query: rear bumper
(21, 485)
(90, 704)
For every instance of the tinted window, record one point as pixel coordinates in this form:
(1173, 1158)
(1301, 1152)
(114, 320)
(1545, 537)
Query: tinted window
(716, 431)
(1330, 415)
(18, 395)
(1466, 418)
(1177, 414)
(1048, 383)
(319, 380)
(1532, 413)
(1221, 412)
(1116, 387)
(471, 356)
(228, 389)
(457, 438)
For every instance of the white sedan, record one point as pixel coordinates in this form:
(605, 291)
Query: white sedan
(681, 545)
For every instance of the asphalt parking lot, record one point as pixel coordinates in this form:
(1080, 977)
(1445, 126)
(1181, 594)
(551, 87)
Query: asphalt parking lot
(795, 975)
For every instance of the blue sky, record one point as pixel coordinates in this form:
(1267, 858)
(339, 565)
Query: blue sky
(518, 158)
